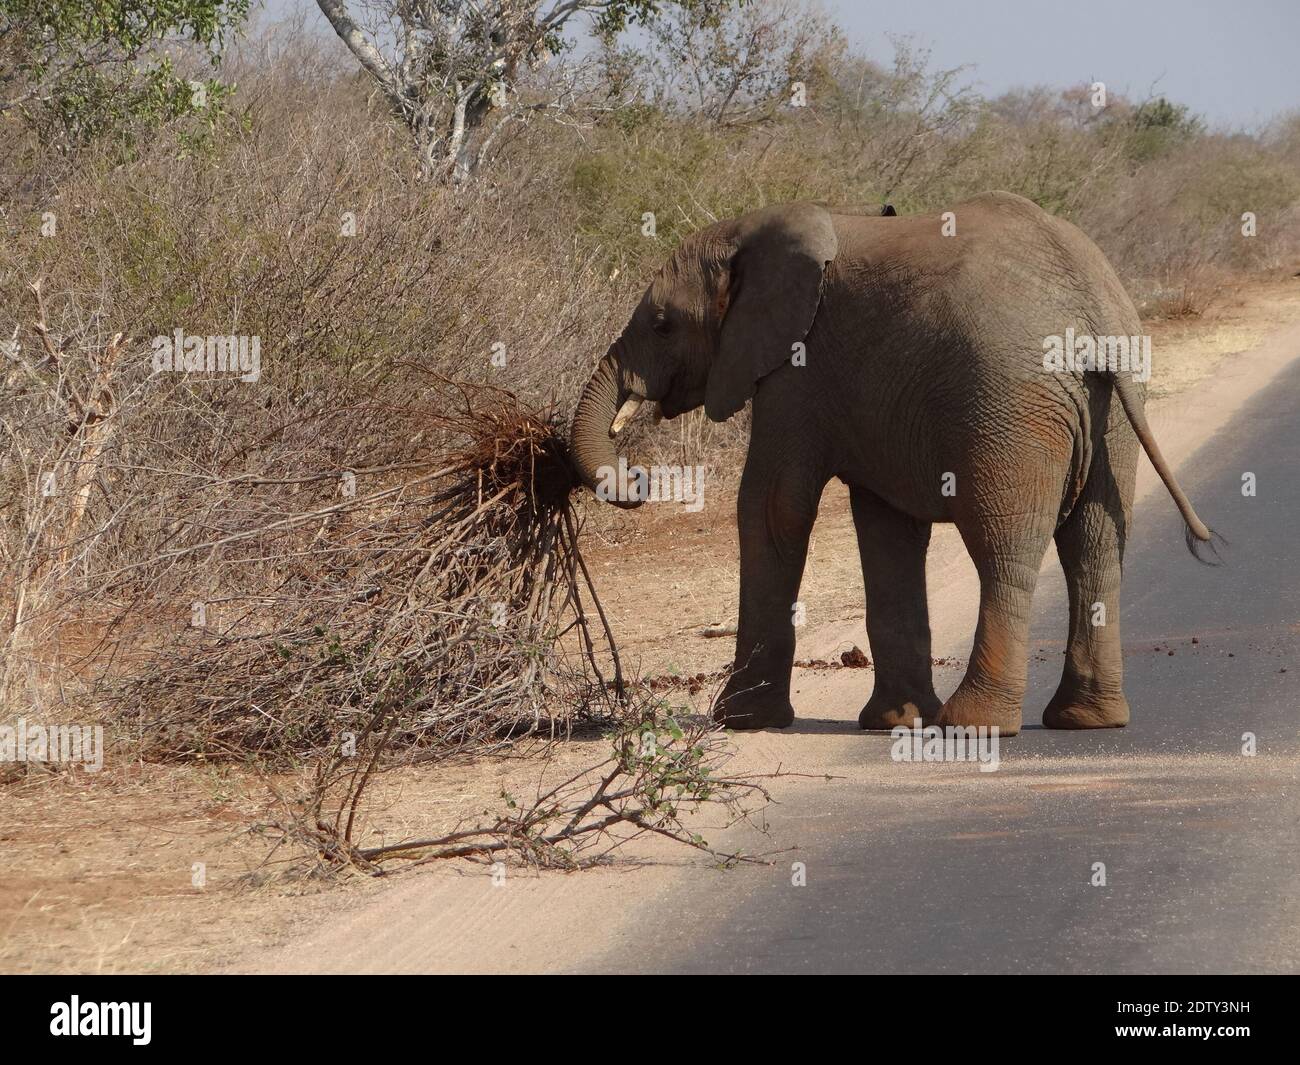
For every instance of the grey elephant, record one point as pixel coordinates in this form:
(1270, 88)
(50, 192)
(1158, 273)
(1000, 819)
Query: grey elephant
(906, 356)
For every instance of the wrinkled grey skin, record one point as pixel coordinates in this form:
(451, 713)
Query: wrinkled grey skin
(924, 357)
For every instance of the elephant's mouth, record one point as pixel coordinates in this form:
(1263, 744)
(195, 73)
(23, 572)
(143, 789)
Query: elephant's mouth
(668, 408)
(683, 396)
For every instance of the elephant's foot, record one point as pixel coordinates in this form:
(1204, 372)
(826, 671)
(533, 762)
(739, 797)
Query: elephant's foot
(753, 708)
(969, 706)
(1075, 709)
(888, 708)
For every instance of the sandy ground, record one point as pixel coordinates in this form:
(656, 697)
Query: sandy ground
(100, 874)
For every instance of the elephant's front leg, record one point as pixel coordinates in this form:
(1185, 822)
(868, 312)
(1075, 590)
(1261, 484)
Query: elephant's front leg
(775, 515)
(893, 547)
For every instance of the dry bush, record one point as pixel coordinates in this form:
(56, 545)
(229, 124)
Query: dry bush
(1174, 227)
(435, 594)
(231, 612)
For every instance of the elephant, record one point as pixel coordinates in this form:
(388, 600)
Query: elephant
(905, 355)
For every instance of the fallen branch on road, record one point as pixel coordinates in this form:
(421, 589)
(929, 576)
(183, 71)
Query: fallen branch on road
(658, 773)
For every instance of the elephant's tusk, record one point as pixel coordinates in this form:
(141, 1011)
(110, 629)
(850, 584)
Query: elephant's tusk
(626, 413)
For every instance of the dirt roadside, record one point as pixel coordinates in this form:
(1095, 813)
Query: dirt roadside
(102, 874)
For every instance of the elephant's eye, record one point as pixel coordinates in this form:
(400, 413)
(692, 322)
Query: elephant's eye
(661, 325)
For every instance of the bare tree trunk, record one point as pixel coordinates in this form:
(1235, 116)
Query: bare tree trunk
(463, 149)
(446, 154)
(448, 66)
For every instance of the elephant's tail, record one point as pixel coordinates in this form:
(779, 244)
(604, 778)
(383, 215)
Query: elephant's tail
(1197, 532)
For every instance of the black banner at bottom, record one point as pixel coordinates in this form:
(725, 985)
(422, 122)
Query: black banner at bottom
(333, 1014)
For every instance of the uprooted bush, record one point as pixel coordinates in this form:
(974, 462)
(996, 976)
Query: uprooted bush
(449, 595)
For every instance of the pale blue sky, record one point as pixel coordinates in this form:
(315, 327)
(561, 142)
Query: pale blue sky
(1234, 62)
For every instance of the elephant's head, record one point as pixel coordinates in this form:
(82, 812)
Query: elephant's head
(726, 310)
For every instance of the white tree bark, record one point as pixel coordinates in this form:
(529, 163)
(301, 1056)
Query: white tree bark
(446, 65)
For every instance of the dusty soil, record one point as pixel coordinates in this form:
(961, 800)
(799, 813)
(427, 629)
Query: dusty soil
(99, 871)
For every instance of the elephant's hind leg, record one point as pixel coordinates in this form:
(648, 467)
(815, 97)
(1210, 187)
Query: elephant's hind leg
(1007, 551)
(893, 546)
(1090, 543)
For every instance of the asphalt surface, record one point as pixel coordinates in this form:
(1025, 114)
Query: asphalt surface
(993, 873)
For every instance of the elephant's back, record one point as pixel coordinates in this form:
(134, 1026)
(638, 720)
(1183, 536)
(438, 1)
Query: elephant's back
(996, 261)
(1042, 268)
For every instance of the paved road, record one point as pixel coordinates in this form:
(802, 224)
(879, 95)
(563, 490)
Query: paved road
(991, 873)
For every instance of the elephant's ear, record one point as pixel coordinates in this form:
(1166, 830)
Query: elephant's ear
(772, 296)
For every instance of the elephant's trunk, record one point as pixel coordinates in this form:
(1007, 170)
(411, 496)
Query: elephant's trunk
(607, 404)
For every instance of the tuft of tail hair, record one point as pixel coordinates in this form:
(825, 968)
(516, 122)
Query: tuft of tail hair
(1205, 551)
